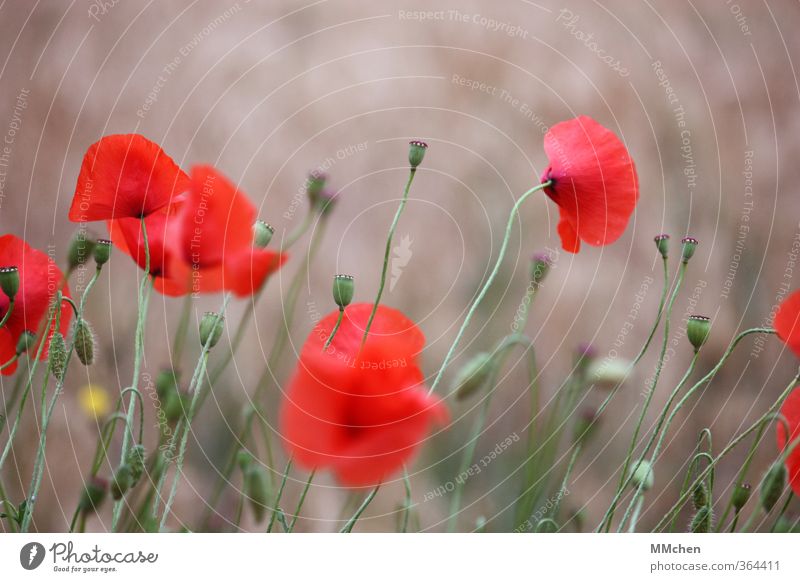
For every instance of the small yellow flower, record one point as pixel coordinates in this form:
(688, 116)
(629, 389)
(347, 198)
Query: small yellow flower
(94, 401)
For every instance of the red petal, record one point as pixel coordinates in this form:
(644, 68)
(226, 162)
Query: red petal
(791, 412)
(787, 322)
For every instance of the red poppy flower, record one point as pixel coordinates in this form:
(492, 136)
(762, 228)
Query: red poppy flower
(594, 182)
(787, 322)
(39, 279)
(791, 412)
(125, 176)
(362, 415)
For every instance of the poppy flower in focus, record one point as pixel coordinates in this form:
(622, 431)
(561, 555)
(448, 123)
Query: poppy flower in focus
(39, 279)
(787, 322)
(791, 412)
(125, 176)
(594, 182)
(360, 412)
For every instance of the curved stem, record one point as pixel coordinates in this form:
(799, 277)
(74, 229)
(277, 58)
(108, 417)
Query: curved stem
(7, 314)
(11, 362)
(334, 330)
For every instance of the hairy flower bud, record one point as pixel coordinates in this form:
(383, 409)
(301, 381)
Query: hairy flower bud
(211, 329)
(702, 520)
(662, 244)
(83, 339)
(102, 251)
(642, 476)
(697, 329)
(256, 487)
(689, 246)
(772, 486)
(473, 375)
(135, 460)
(94, 492)
(343, 290)
(9, 281)
(122, 481)
(700, 495)
(26, 341)
(57, 357)
(740, 496)
(416, 152)
(262, 233)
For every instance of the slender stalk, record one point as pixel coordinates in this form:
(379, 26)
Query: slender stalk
(407, 503)
(301, 500)
(334, 330)
(348, 527)
(636, 512)
(10, 362)
(279, 495)
(180, 334)
(7, 314)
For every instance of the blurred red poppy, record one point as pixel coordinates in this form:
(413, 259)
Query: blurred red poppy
(361, 415)
(787, 322)
(39, 279)
(125, 176)
(594, 182)
(791, 412)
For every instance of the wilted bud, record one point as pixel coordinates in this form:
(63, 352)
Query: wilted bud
(740, 496)
(102, 252)
(473, 376)
(689, 246)
(262, 234)
(94, 492)
(9, 281)
(546, 525)
(642, 476)
(343, 290)
(122, 481)
(256, 487)
(700, 495)
(540, 266)
(416, 152)
(26, 341)
(135, 460)
(772, 486)
(314, 185)
(210, 329)
(608, 373)
(662, 243)
(57, 356)
(84, 342)
(585, 425)
(80, 249)
(702, 520)
(697, 329)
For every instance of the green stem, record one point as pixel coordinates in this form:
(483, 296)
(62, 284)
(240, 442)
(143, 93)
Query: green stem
(334, 330)
(301, 500)
(7, 313)
(279, 495)
(348, 527)
(180, 334)
(408, 500)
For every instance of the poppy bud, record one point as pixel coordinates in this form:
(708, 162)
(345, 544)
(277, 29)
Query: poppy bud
(135, 460)
(740, 496)
(26, 341)
(473, 376)
(256, 487)
(166, 382)
(772, 486)
(689, 246)
(314, 185)
(102, 251)
(122, 481)
(416, 153)
(57, 357)
(608, 373)
(9, 281)
(642, 476)
(700, 495)
(262, 233)
(327, 199)
(343, 290)
(83, 339)
(540, 266)
(243, 459)
(210, 329)
(662, 243)
(546, 525)
(585, 426)
(175, 405)
(94, 492)
(697, 329)
(702, 520)
(80, 249)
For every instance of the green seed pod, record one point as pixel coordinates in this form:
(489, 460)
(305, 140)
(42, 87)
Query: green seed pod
(314, 185)
(416, 152)
(740, 496)
(26, 341)
(642, 476)
(262, 234)
(697, 329)
(135, 460)
(702, 520)
(94, 492)
(689, 246)
(546, 525)
(540, 266)
(343, 290)
(772, 486)
(662, 243)
(57, 356)
(9, 281)
(700, 496)
(256, 487)
(83, 337)
(102, 251)
(80, 250)
(122, 481)
(211, 329)
(473, 376)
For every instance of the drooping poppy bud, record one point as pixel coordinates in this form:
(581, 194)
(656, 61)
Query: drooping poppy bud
(211, 329)
(314, 185)
(9, 281)
(642, 476)
(262, 234)
(80, 250)
(416, 152)
(94, 492)
(256, 487)
(135, 460)
(102, 251)
(662, 243)
(122, 481)
(84, 342)
(26, 341)
(740, 496)
(57, 359)
(700, 495)
(689, 246)
(343, 290)
(697, 329)
(702, 520)
(772, 486)
(473, 376)
(540, 266)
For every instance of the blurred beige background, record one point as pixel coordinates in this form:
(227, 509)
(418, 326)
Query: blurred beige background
(705, 95)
